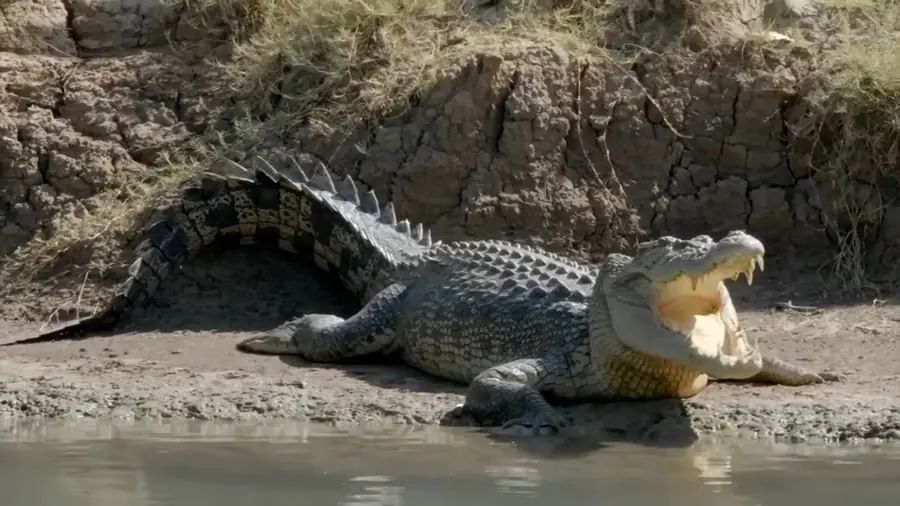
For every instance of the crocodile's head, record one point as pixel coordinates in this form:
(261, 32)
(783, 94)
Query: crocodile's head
(673, 290)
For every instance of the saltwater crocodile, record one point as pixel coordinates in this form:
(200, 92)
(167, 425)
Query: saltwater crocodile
(516, 323)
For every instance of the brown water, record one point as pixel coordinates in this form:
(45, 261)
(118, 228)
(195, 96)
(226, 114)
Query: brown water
(92, 463)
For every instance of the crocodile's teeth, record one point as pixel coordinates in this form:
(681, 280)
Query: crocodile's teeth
(751, 266)
(760, 263)
(694, 281)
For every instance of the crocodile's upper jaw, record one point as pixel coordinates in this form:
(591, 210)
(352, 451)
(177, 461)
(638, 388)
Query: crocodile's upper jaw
(700, 293)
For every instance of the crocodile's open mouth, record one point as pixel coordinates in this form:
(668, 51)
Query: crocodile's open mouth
(686, 296)
(692, 317)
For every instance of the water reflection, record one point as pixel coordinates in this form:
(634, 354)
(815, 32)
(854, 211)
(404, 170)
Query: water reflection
(713, 467)
(96, 463)
(524, 480)
(376, 491)
(73, 474)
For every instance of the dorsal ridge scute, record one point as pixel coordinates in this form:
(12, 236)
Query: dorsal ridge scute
(322, 179)
(348, 191)
(301, 174)
(369, 204)
(388, 216)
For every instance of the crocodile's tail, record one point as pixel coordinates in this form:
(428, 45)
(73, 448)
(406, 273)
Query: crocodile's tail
(346, 234)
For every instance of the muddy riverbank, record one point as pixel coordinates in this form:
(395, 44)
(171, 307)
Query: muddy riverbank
(177, 360)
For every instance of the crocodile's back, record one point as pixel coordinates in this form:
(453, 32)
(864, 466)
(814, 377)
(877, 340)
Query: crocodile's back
(477, 304)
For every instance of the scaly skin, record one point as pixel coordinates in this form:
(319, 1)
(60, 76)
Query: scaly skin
(514, 323)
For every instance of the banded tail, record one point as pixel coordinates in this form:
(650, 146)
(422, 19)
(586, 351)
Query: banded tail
(344, 233)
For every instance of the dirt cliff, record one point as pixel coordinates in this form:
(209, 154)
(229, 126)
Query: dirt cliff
(522, 134)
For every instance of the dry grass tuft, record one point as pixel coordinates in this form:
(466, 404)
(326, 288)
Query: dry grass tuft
(343, 61)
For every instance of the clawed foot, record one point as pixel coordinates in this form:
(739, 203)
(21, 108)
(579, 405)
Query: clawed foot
(817, 378)
(458, 415)
(542, 424)
(827, 377)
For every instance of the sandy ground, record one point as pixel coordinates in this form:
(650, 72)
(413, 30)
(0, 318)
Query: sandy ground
(177, 359)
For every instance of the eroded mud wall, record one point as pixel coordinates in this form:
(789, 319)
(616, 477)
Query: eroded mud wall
(509, 143)
(89, 97)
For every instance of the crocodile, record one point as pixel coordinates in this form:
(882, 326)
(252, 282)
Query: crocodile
(519, 325)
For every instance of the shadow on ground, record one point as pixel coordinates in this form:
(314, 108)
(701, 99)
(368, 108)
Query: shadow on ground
(250, 290)
(240, 290)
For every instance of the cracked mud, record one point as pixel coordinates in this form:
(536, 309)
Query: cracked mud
(92, 97)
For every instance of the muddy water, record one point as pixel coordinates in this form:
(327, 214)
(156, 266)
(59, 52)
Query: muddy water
(291, 463)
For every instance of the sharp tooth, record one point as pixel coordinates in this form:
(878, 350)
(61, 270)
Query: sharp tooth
(760, 263)
(694, 282)
(749, 273)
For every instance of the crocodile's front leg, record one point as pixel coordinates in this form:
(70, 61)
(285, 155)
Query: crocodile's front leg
(509, 396)
(330, 338)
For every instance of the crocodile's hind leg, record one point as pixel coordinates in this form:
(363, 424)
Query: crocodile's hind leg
(330, 338)
(780, 372)
(509, 396)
